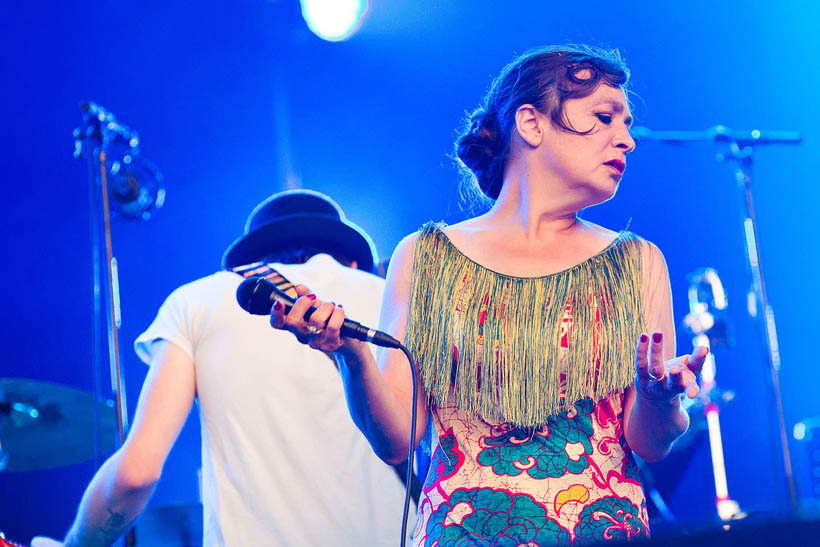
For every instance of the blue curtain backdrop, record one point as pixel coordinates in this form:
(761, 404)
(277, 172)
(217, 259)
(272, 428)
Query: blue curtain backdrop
(232, 99)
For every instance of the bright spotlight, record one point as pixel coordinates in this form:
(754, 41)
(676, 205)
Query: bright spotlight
(334, 20)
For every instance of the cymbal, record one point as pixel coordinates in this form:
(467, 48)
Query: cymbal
(45, 425)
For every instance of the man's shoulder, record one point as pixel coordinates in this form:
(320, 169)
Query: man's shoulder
(324, 267)
(365, 277)
(215, 284)
(360, 282)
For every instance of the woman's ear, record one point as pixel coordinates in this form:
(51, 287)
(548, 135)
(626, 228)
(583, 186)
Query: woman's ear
(529, 124)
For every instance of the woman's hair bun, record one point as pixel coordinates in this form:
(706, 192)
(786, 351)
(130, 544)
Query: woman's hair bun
(480, 145)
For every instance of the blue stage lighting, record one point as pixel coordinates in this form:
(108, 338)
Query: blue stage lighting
(334, 20)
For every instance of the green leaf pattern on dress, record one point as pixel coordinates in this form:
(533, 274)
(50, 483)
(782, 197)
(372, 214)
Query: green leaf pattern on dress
(494, 518)
(543, 453)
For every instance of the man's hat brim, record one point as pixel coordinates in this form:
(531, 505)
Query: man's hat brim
(323, 232)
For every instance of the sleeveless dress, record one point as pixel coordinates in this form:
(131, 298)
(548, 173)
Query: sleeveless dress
(526, 400)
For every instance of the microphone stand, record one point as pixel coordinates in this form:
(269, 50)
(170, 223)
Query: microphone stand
(740, 145)
(93, 140)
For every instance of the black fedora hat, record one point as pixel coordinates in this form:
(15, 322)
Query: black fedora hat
(300, 217)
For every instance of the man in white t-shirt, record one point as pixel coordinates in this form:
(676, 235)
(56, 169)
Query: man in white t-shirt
(282, 461)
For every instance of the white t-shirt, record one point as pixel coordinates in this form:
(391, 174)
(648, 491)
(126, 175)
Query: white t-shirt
(282, 461)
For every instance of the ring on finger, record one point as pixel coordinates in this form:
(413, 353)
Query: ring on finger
(657, 378)
(314, 330)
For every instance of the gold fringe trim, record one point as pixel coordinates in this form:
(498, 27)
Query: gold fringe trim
(509, 368)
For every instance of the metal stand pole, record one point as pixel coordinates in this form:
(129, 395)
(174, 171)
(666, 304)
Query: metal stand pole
(744, 158)
(113, 308)
(96, 339)
(97, 134)
(92, 143)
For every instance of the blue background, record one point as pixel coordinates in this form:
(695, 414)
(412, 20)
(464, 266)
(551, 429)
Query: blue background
(234, 99)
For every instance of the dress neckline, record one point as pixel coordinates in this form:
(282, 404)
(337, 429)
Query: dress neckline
(438, 227)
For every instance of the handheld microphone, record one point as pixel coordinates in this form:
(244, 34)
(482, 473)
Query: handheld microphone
(256, 295)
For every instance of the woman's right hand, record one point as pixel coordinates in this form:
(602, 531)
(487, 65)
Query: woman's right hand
(322, 330)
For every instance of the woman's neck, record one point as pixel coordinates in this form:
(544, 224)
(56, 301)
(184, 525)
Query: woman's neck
(533, 209)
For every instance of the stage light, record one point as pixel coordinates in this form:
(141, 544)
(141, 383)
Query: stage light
(334, 20)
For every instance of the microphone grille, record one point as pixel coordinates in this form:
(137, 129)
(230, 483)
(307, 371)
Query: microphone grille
(254, 295)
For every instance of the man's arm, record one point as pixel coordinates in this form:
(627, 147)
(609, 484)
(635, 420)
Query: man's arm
(121, 488)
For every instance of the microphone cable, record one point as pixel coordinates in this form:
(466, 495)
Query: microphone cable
(411, 449)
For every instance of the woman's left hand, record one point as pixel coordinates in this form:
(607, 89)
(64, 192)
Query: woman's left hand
(661, 381)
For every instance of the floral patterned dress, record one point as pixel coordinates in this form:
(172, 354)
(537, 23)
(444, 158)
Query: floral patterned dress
(569, 481)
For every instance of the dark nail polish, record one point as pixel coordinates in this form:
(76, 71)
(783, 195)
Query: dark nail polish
(657, 337)
(277, 305)
(341, 306)
(312, 296)
(644, 338)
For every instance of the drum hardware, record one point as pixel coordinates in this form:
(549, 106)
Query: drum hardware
(739, 147)
(706, 321)
(45, 425)
(136, 186)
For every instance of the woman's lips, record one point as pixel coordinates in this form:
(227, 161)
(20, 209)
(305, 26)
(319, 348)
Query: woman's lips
(616, 164)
